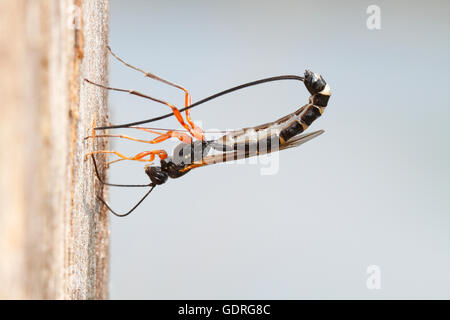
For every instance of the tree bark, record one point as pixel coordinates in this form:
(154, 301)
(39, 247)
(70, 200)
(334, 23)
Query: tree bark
(54, 234)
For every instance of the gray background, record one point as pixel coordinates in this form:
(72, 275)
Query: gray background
(374, 189)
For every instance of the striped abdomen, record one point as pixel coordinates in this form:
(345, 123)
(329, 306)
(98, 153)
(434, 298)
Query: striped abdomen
(320, 94)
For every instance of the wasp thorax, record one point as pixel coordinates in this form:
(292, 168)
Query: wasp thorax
(156, 175)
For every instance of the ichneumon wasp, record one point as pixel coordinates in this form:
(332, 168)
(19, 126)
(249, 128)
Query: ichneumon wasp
(195, 151)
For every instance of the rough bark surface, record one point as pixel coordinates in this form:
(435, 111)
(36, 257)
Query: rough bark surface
(54, 235)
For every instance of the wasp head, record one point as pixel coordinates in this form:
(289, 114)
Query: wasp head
(156, 174)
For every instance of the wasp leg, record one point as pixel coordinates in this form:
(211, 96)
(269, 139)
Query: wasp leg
(198, 132)
(139, 157)
(183, 137)
(175, 110)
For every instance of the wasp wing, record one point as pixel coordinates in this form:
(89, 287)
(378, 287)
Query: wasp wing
(301, 139)
(239, 154)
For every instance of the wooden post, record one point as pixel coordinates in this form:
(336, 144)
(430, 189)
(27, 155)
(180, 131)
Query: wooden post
(53, 233)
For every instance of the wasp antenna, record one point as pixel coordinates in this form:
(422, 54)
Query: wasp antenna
(115, 184)
(132, 209)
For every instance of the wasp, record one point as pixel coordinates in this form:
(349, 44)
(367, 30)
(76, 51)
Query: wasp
(195, 151)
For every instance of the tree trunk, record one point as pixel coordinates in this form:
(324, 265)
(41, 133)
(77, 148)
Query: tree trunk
(54, 235)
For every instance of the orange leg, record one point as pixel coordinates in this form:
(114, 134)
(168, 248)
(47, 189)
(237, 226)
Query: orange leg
(139, 157)
(175, 110)
(197, 131)
(183, 137)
